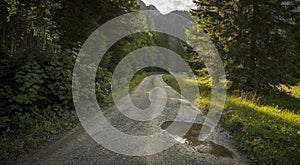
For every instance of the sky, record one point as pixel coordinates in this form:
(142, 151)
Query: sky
(166, 6)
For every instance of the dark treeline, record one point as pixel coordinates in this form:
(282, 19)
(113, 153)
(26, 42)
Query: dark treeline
(39, 41)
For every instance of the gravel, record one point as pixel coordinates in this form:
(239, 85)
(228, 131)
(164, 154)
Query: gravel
(77, 147)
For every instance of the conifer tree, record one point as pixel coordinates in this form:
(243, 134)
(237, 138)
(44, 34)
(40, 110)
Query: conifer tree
(253, 39)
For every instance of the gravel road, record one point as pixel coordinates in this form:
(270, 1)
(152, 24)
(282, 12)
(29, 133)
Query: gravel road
(77, 147)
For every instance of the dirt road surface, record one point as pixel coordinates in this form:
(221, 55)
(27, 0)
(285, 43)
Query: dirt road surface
(77, 147)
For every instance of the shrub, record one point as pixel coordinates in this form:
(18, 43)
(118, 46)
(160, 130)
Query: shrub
(36, 97)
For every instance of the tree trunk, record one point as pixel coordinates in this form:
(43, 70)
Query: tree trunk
(45, 37)
(253, 49)
(3, 37)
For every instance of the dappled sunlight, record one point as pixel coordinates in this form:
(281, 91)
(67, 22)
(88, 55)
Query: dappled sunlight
(263, 131)
(294, 90)
(283, 114)
(267, 128)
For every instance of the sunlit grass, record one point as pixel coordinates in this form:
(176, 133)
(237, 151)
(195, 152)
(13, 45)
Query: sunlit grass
(265, 133)
(134, 82)
(139, 77)
(269, 110)
(268, 131)
(189, 85)
(294, 90)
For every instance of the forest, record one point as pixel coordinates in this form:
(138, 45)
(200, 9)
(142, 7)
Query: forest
(258, 42)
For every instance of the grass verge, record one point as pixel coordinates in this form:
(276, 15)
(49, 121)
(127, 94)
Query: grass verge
(267, 130)
(139, 77)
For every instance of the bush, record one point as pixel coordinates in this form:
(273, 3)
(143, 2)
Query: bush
(36, 98)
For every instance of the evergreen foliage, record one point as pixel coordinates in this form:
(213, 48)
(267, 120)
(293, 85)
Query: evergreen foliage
(253, 38)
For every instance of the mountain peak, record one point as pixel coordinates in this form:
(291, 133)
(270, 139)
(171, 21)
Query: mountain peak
(145, 7)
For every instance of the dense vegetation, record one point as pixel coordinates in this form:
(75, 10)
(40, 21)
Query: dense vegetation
(259, 45)
(39, 43)
(256, 40)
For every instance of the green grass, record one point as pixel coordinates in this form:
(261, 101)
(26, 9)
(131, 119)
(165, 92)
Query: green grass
(169, 79)
(189, 84)
(139, 77)
(134, 82)
(266, 130)
(267, 134)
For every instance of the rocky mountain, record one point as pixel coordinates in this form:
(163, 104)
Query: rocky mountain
(185, 14)
(145, 7)
(168, 20)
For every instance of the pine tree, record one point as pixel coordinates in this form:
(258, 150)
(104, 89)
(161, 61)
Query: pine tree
(253, 40)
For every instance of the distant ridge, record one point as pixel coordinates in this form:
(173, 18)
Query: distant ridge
(145, 7)
(184, 14)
